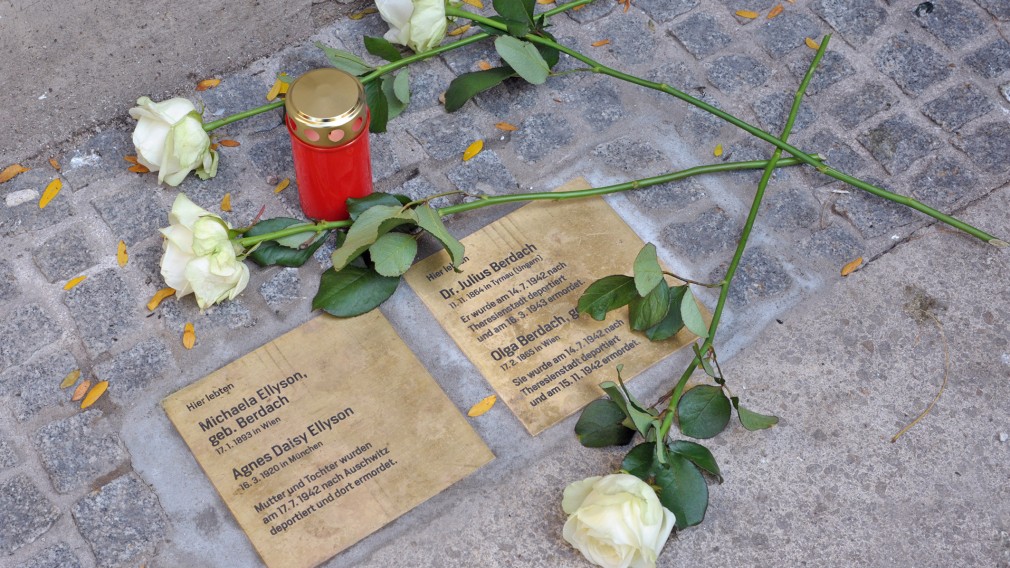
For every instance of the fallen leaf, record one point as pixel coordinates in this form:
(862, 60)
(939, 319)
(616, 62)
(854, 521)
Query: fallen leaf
(600, 42)
(460, 30)
(775, 11)
(852, 266)
(282, 185)
(73, 282)
(131, 158)
(811, 44)
(483, 65)
(718, 150)
(229, 143)
(275, 90)
(627, 4)
(482, 407)
(81, 390)
(94, 394)
(51, 191)
(441, 97)
(213, 146)
(226, 202)
(472, 150)
(749, 14)
(121, 255)
(207, 84)
(579, 7)
(70, 379)
(363, 13)
(188, 336)
(545, 2)
(55, 164)
(475, 3)
(11, 171)
(158, 296)
(138, 169)
(506, 127)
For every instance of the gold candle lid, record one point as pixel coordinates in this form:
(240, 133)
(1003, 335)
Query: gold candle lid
(326, 108)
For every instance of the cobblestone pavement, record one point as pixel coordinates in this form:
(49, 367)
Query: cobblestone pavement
(911, 97)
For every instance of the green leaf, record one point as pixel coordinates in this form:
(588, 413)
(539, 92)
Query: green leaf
(296, 241)
(369, 226)
(394, 106)
(352, 291)
(467, 85)
(698, 455)
(706, 364)
(673, 322)
(703, 411)
(393, 253)
(601, 424)
(345, 60)
(401, 86)
(550, 54)
(752, 420)
(607, 293)
(648, 273)
(517, 10)
(640, 461)
(378, 106)
(640, 418)
(380, 47)
(692, 315)
(269, 253)
(650, 310)
(428, 219)
(524, 58)
(358, 205)
(682, 490)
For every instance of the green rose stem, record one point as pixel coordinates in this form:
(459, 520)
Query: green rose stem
(808, 159)
(486, 201)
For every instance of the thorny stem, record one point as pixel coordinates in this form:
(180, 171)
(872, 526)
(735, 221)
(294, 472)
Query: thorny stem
(689, 281)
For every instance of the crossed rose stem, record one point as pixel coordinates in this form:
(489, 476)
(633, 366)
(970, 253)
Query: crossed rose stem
(780, 143)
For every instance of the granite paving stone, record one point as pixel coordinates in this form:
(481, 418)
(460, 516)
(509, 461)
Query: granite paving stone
(861, 104)
(673, 73)
(913, 65)
(602, 105)
(700, 34)
(97, 157)
(773, 110)
(123, 522)
(702, 126)
(445, 137)
(998, 8)
(484, 173)
(428, 80)
(898, 142)
(541, 134)
(711, 231)
(146, 260)
(759, 6)
(1005, 91)
(945, 182)
(954, 22)
(29, 387)
(992, 60)
(8, 282)
(835, 244)
(509, 98)
(733, 74)
(591, 12)
(632, 155)
(465, 59)
(100, 306)
(300, 59)
(856, 20)
(417, 187)
(957, 106)
(58, 555)
(136, 367)
(8, 455)
(872, 215)
(781, 35)
(663, 11)
(660, 200)
(270, 154)
(25, 513)
(833, 68)
(23, 331)
(788, 209)
(236, 94)
(759, 276)
(989, 147)
(632, 36)
(64, 255)
(837, 154)
(20, 213)
(384, 160)
(135, 211)
(234, 314)
(77, 450)
(281, 289)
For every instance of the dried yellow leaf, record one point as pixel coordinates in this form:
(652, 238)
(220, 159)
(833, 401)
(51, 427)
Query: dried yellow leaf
(229, 143)
(811, 43)
(600, 42)
(81, 390)
(207, 84)
(54, 163)
(460, 30)
(94, 394)
(50, 192)
(121, 255)
(73, 282)
(131, 158)
(852, 266)
(475, 3)
(506, 127)
(188, 336)
(70, 379)
(158, 297)
(472, 150)
(138, 169)
(12, 171)
(363, 13)
(483, 65)
(275, 90)
(718, 150)
(545, 1)
(775, 11)
(282, 185)
(749, 14)
(482, 407)
(226, 202)
(579, 7)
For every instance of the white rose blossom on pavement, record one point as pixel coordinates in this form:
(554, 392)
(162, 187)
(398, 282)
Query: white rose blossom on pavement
(200, 257)
(616, 521)
(418, 24)
(170, 140)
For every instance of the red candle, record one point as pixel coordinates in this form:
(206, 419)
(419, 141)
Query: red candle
(327, 118)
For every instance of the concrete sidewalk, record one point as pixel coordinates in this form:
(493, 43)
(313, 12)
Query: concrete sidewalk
(911, 99)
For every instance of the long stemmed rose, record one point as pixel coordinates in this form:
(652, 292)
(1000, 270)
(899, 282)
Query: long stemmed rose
(170, 139)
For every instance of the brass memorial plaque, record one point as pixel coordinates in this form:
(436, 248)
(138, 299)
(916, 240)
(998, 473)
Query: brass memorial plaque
(512, 309)
(324, 435)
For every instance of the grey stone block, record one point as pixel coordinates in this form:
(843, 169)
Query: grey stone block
(709, 232)
(509, 97)
(104, 309)
(788, 209)
(898, 142)
(123, 522)
(428, 80)
(957, 106)
(98, 156)
(298, 60)
(8, 282)
(484, 173)
(663, 11)
(632, 38)
(23, 331)
(659, 201)
(945, 182)
(700, 35)
(953, 22)
(238, 93)
(760, 276)
(270, 155)
(602, 105)
(914, 66)
(541, 134)
(232, 314)
(25, 513)
(77, 450)
(446, 137)
(863, 103)
(281, 289)
(787, 32)
(834, 244)
(136, 367)
(64, 255)
(147, 261)
(384, 160)
(992, 60)
(134, 213)
(631, 155)
(733, 74)
(998, 8)
(856, 20)
(837, 154)
(759, 6)
(873, 216)
(465, 59)
(417, 187)
(773, 110)
(8, 455)
(58, 555)
(20, 213)
(833, 68)
(32, 386)
(989, 147)
(593, 11)
(675, 74)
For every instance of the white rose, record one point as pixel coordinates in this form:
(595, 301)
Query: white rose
(170, 140)
(616, 521)
(200, 257)
(418, 24)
